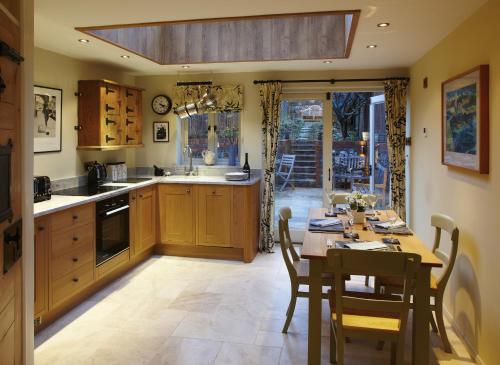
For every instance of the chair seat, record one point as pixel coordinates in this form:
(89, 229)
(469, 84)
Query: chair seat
(359, 320)
(369, 323)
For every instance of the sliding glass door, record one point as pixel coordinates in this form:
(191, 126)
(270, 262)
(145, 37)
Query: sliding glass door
(303, 162)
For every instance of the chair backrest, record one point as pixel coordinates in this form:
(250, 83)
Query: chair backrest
(370, 198)
(369, 263)
(381, 175)
(444, 223)
(286, 245)
(287, 161)
(339, 198)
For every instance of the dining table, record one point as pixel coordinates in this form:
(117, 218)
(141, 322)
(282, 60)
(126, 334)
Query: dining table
(315, 246)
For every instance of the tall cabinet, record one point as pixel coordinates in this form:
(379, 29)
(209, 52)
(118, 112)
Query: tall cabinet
(109, 115)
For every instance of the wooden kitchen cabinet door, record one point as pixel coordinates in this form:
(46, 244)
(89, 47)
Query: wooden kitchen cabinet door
(42, 242)
(146, 218)
(214, 206)
(177, 214)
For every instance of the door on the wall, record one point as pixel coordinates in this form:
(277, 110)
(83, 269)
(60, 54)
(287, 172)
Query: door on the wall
(11, 337)
(303, 172)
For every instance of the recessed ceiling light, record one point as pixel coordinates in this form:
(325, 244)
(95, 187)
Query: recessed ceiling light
(185, 66)
(383, 25)
(371, 46)
(83, 40)
(327, 61)
(125, 56)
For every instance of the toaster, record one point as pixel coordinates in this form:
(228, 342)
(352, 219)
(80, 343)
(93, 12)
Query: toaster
(41, 188)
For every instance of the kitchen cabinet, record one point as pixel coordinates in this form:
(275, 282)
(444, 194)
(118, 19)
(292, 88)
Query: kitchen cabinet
(213, 215)
(143, 219)
(177, 214)
(42, 241)
(212, 221)
(109, 115)
(71, 253)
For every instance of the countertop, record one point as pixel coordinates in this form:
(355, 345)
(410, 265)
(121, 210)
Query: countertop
(61, 202)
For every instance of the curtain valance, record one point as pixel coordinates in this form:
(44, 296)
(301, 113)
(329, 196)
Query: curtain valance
(229, 98)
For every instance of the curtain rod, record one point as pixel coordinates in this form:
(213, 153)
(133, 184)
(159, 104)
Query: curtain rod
(331, 81)
(194, 83)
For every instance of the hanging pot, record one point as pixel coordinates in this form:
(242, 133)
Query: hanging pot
(186, 110)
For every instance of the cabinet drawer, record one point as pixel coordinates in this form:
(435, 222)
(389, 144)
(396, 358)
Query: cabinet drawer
(72, 283)
(65, 263)
(113, 263)
(72, 217)
(111, 96)
(6, 318)
(66, 241)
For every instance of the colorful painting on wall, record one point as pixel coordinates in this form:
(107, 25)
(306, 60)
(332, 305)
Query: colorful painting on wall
(465, 120)
(47, 119)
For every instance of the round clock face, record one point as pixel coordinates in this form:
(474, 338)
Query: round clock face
(161, 104)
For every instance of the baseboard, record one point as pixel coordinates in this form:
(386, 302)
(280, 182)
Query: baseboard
(472, 349)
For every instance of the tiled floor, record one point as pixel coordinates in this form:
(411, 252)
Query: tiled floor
(300, 200)
(186, 311)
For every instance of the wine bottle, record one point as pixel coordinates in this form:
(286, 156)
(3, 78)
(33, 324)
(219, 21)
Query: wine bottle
(246, 166)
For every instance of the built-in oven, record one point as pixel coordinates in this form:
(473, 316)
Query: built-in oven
(112, 227)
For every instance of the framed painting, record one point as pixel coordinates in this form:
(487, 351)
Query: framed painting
(47, 119)
(161, 132)
(465, 120)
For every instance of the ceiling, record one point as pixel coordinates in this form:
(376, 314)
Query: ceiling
(415, 27)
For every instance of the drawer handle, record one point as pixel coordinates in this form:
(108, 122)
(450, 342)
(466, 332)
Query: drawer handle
(213, 192)
(75, 239)
(76, 280)
(110, 121)
(75, 217)
(129, 110)
(75, 259)
(41, 228)
(141, 196)
(188, 191)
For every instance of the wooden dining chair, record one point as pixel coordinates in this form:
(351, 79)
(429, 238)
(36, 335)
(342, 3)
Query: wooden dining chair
(441, 223)
(365, 315)
(298, 269)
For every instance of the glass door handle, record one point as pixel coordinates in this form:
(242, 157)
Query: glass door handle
(329, 174)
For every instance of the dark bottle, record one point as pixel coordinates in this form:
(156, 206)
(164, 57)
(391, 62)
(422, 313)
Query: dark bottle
(246, 166)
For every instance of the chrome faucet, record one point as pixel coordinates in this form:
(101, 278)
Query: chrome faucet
(189, 153)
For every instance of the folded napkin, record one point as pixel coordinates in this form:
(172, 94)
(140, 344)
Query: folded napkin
(389, 225)
(325, 222)
(398, 229)
(337, 227)
(366, 246)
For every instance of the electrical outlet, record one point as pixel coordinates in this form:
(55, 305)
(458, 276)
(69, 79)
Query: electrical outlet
(425, 132)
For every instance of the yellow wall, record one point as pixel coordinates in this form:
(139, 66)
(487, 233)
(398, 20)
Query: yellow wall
(473, 200)
(58, 71)
(164, 154)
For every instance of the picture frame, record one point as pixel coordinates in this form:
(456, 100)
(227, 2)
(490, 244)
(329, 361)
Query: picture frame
(47, 116)
(465, 120)
(161, 132)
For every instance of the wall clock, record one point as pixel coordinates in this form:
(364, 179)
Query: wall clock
(161, 104)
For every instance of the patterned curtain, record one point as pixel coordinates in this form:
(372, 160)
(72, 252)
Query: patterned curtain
(229, 97)
(395, 116)
(270, 95)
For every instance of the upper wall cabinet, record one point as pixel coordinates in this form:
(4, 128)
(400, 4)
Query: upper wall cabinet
(109, 115)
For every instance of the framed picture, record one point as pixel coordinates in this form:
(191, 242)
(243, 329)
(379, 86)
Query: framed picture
(48, 119)
(161, 132)
(465, 120)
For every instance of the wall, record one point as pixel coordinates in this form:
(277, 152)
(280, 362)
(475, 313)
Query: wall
(58, 71)
(473, 200)
(165, 154)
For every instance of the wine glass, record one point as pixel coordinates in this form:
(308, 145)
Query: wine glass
(392, 217)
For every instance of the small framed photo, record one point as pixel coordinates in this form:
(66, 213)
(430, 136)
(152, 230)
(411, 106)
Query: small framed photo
(161, 132)
(465, 120)
(47, 119)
